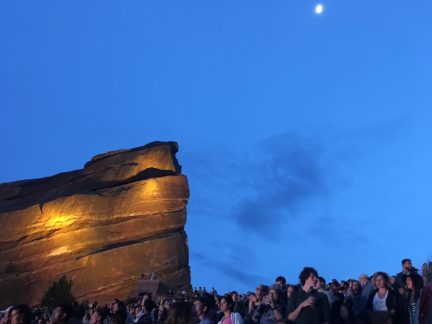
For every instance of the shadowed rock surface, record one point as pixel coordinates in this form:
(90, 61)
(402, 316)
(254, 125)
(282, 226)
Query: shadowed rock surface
(121, 216)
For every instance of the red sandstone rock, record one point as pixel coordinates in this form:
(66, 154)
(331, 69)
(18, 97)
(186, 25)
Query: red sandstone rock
(121, 216)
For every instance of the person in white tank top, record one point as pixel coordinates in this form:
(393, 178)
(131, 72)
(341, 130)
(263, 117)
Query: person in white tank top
(382, 301)
(379, 304)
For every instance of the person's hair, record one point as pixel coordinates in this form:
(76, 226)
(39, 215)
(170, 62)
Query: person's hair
(7, 313)
(322, 280)
(427, 278)
(149, 305)
(385, 277)
(120, 305)
(405, 260)
(25, 311)
(120, 315)
(306, 272)
(264, 289)
(119, 318)
(211, 300)
(275, 287)
(229, 301)
(205, 302)
(281, 278)
(416, 281)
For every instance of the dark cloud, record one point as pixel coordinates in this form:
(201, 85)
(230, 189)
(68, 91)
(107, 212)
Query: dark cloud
(288, 173)
(233, 264)
(326, 231)
(235, 272)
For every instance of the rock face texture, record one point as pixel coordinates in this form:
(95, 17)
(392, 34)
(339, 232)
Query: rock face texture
(104, 226)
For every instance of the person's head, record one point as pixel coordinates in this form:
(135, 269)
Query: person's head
(308, 276)
(61, 314)
(290, 290)
(406, 265)
(363, 279)
(226, 304)
(144, 297)
(281, 282)
(274, 292)
(21, 314)
(356, 288)
(251, 297)
(6, 316)
(202, 306)
(261, 291)
(118, 307)
(235, 296)
(112, 306)
(381, 280)
(166, 304)
(98, 316)
(320, 283)
(149, 305)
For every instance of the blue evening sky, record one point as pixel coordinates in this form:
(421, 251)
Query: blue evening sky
(306, 138)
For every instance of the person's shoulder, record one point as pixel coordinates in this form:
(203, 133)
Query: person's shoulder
(236, 317)
(391, 292)
(416, 274)
(206, 320)
(372, 292)
(321, 294)
(295, 296)
(297, 292)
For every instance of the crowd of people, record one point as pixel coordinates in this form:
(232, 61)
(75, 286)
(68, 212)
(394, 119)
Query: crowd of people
(405, 298)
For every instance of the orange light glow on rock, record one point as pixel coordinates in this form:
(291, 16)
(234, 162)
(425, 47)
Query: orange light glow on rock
(60, 221)
(104, 226)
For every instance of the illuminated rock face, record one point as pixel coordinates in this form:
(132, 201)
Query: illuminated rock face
(121, 216)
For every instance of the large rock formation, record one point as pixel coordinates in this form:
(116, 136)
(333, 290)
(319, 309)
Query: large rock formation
(104, 226)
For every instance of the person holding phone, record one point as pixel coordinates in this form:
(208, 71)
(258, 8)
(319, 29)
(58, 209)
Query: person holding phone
(272, 309)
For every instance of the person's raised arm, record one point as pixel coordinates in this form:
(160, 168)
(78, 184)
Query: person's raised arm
(292, 316)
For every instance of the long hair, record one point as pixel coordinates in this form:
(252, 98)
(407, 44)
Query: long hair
(416, 284)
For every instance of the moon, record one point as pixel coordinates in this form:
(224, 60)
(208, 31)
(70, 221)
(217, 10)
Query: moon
(319, 9)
